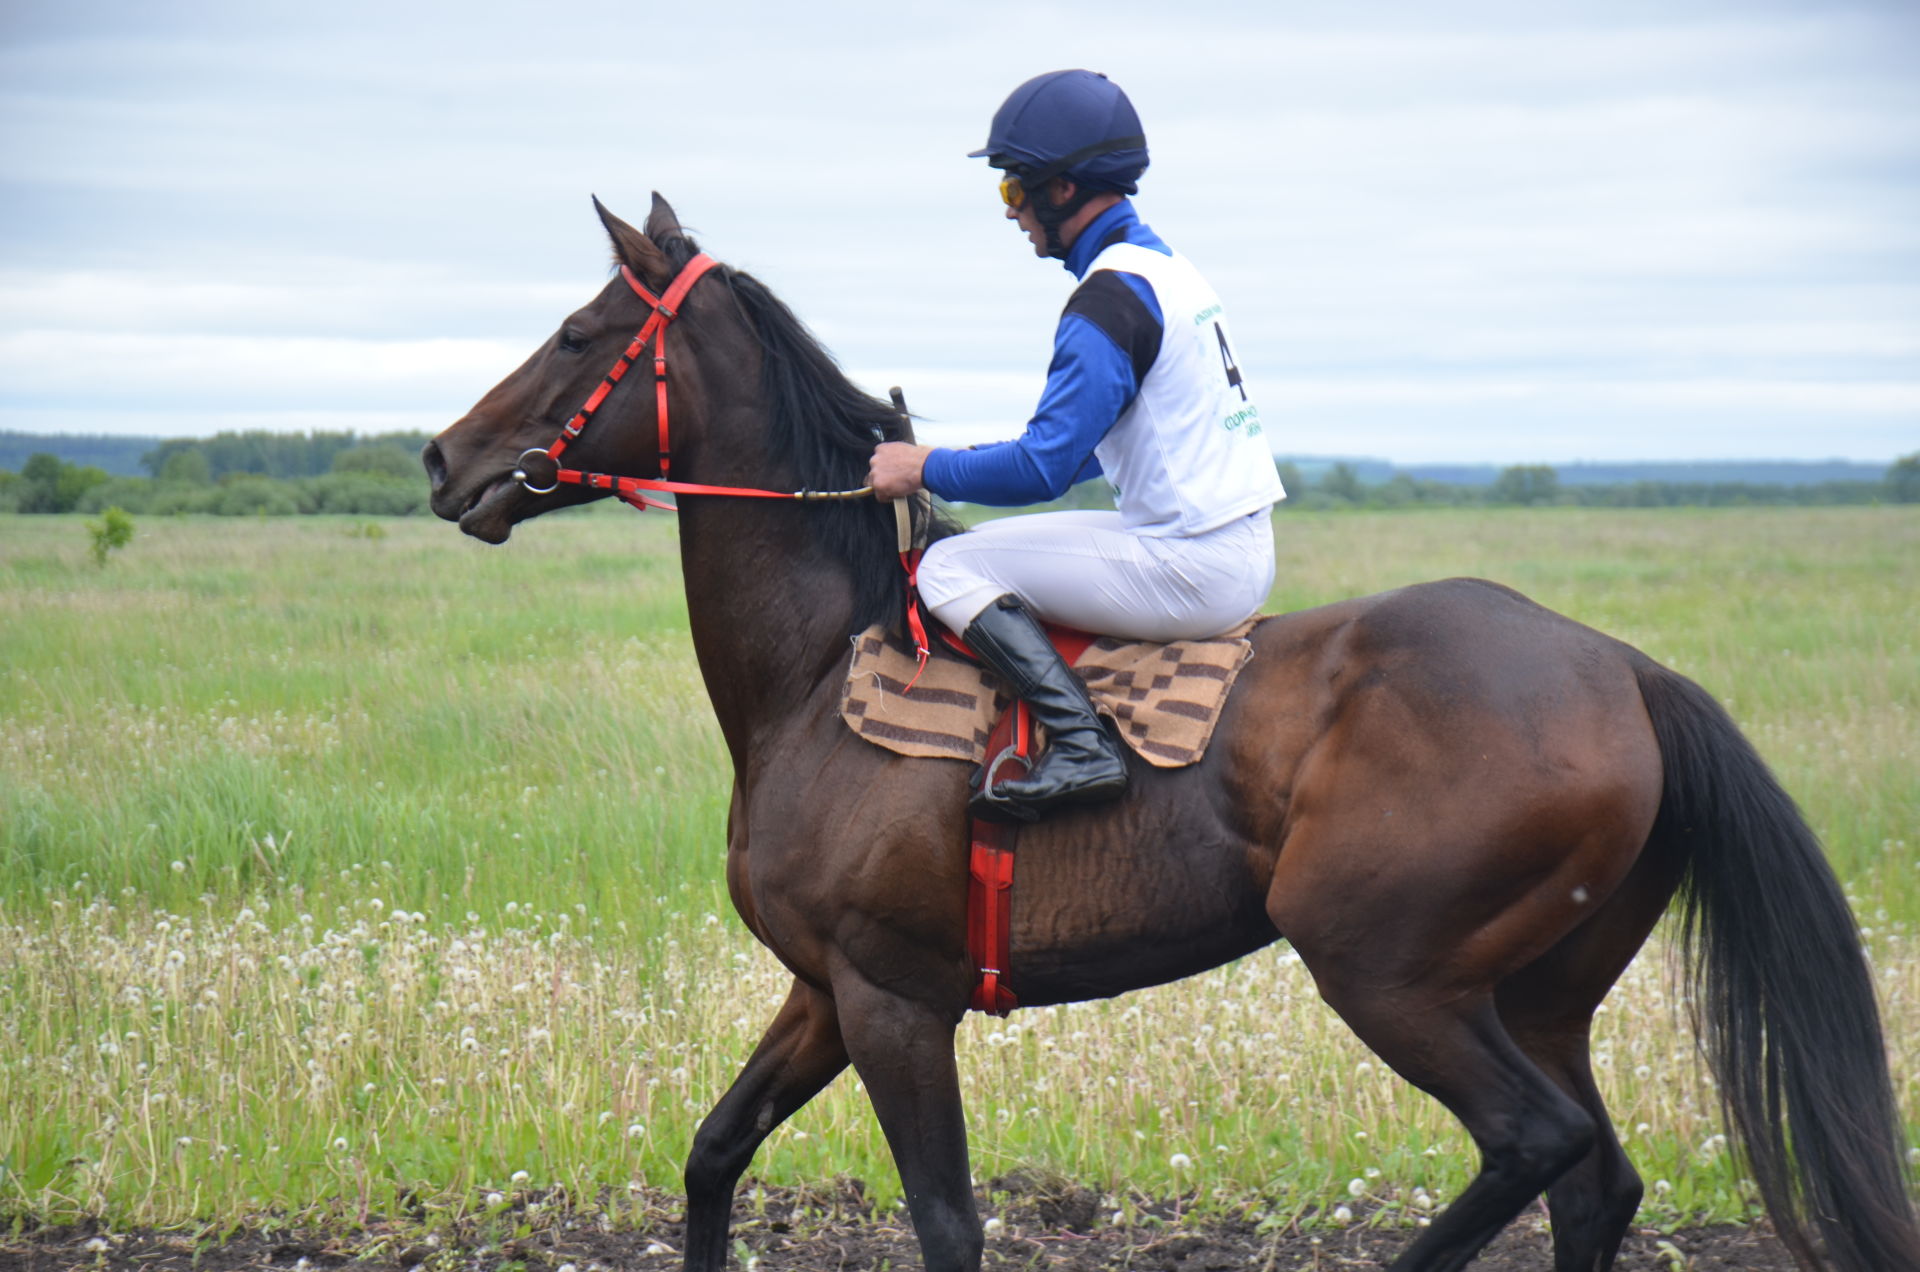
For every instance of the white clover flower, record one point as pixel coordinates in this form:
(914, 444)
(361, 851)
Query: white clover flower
(520, 1177)
(1343, 1214)
(95, 1245)
(495, 1199)
(992, 1225)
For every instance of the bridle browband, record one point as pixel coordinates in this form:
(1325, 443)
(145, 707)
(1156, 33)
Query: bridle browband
(666, 307)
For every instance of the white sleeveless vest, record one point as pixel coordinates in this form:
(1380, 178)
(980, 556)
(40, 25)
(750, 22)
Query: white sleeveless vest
(1189, 453)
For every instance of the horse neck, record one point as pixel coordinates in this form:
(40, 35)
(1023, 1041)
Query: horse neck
(769, 611)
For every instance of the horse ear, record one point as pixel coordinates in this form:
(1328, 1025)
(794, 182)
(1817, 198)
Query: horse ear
(635, 250)
(662, 224)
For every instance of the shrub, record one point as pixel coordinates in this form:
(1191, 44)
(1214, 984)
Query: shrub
(133, 494)
(246, 495)
(364, 494)
(112, 532)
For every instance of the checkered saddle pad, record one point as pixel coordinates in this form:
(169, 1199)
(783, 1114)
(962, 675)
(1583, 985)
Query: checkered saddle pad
(1164, 698)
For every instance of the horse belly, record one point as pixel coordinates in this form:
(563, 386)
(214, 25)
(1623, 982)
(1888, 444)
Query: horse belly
(1100, 908)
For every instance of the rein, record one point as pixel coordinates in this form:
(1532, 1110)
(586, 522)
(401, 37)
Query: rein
(666, 307)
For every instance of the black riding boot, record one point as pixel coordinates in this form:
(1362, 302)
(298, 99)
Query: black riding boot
(1082, 763)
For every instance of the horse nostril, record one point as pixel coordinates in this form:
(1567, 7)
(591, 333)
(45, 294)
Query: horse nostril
(435, 463)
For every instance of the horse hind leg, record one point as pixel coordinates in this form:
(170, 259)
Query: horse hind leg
(1593, 1204)
(1548, 1009)
(798, 1055)
(1528, 1130)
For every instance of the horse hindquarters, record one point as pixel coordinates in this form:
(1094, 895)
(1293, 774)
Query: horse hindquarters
(1782, 990)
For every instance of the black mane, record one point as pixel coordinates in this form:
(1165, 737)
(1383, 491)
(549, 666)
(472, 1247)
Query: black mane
(824, 428)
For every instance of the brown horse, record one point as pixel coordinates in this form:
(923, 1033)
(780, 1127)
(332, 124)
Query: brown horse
(1465, 812)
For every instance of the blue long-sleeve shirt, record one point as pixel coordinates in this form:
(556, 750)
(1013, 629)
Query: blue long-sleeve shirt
(1103, 347)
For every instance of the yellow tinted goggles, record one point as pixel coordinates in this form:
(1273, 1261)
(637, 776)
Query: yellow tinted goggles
(1012, 193)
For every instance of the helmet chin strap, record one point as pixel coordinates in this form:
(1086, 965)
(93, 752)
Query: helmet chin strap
(1053, 215)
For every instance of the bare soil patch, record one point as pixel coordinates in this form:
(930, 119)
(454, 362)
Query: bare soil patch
(836, 1230)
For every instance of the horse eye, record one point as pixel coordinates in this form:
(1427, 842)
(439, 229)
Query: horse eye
(571, 341)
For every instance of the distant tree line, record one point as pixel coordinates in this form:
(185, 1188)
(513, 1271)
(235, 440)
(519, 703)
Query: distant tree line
(234, 474)
(380, 475)
(1538, 485)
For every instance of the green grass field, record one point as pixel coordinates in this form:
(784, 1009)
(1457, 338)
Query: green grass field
(343, 859)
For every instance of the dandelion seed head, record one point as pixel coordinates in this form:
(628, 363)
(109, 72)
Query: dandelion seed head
(1356, 1187)
(1180, 1161)
(179, 867)
(521, 1177)
(1343, 1214)
(495, 1199)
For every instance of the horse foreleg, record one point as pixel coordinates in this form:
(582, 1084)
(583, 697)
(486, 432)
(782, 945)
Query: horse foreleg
(903, 1051)
(798, 1055)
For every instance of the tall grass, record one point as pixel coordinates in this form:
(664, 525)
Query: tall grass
(337, 866)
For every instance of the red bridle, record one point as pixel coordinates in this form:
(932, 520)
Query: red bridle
(665, 308)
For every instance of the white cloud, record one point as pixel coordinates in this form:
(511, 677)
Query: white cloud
(1488, 222)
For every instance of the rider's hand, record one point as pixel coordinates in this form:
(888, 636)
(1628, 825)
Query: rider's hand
(894, 470)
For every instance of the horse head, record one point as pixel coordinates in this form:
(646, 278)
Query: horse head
(472, 464)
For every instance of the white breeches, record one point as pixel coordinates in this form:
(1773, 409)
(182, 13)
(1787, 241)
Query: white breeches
(1082, 569)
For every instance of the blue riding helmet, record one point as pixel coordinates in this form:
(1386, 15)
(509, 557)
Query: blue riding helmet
(1072, 123)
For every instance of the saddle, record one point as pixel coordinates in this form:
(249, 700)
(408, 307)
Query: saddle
(1165, 698)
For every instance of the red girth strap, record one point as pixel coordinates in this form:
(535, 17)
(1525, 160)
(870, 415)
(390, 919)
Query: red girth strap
(990, 871)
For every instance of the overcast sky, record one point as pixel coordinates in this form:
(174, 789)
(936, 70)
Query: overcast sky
(1466, 232)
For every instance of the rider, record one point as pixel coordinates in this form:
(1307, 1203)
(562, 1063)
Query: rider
(1144, 387)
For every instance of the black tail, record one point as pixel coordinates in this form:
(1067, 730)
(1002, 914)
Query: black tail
(1781, 992)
